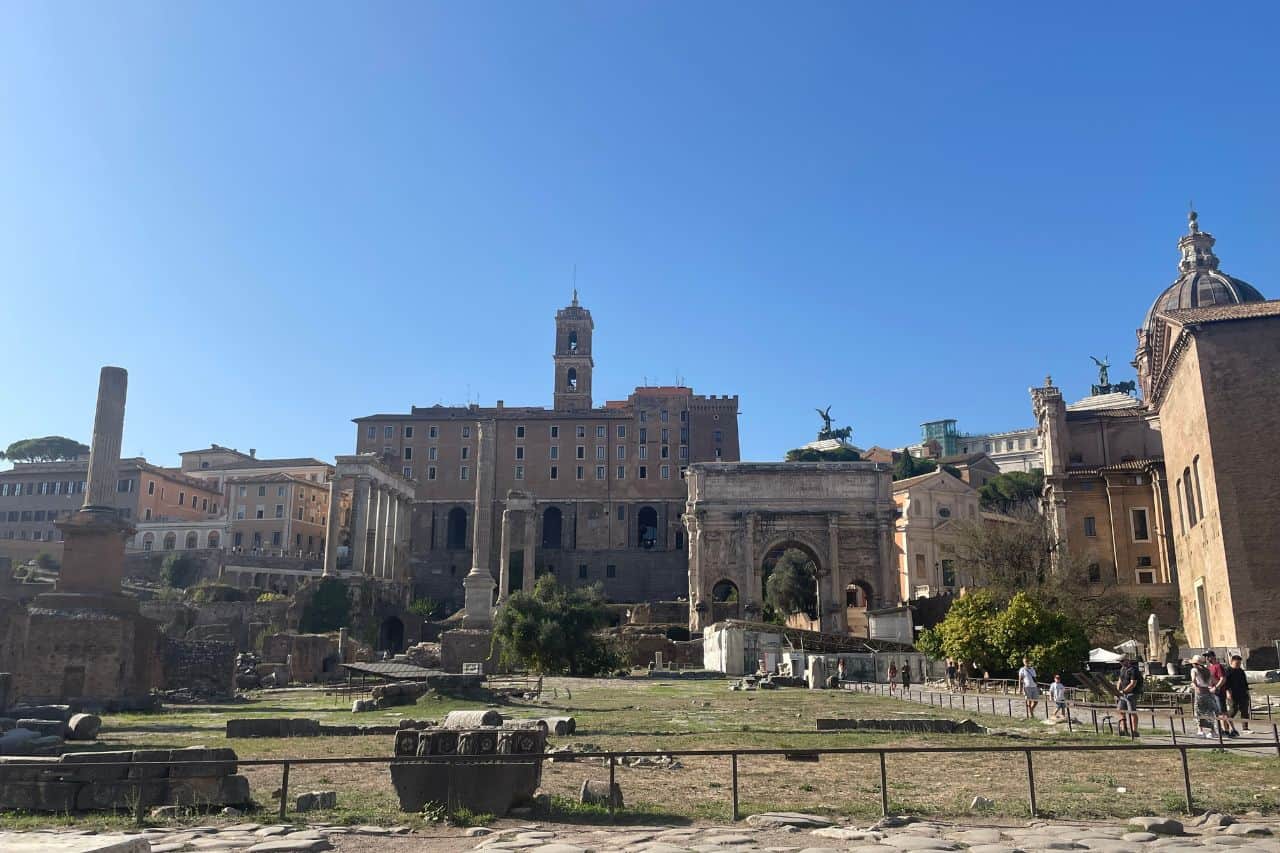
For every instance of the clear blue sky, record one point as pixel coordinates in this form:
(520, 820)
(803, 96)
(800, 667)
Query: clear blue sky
(281, 216)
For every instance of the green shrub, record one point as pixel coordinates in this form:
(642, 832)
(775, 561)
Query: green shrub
(328, 610)
(263, 598)
(208, 593)
(178, 571)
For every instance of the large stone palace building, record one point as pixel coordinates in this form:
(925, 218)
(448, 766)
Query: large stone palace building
(1175, 496)
(607, 483)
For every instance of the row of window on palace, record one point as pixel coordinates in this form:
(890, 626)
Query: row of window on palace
(553, 473)
(169, 543)
(76, 487)
(553, 431)
(580, 452)
(260, 512)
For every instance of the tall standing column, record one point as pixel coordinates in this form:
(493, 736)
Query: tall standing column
(390, 530)
(478, 584)
(403, 534)
(379, 524)
(108, 431)
(504, 557)
(530, 547)
(332, 529)
(839, 615)
(754, 593)
(360, 524)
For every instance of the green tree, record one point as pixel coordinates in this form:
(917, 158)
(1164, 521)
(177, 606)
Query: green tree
(426, 608)
(808, 454)
(328, 610)
(965, 633)
(178, 571)
(50, 448)
(1053, 641)
(1012, 491)
(552, 630)
(792, 585)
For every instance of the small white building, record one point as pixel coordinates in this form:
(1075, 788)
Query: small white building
(741, 648)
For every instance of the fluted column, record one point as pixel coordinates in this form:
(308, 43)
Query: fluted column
(838, 618)
(754, 593)
(478, 584)
(379, 523)
(332, 529)
(360, 506)
(504, 557)
(389, 530)
(108, 430)
(530, 548)
(403, 535)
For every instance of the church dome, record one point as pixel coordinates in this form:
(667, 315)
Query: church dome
(1200, 283)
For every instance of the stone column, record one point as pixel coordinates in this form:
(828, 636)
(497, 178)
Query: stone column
(404, 533)
(108, 430)
(504, 557)
(360, 524)
(891, 590)
(389, 535)
(697, 618)
(754, 594)
(333, 528)
(380, 532)
(530, 547)
(478, 584)
(838, 615)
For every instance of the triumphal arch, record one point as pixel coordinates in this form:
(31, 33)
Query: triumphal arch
(741, 516)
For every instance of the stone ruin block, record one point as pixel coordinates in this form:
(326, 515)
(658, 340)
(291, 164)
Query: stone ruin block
(422, 774)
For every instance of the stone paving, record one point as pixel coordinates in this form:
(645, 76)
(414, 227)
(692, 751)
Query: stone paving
(782, 832)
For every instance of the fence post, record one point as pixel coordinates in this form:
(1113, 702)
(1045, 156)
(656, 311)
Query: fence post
(1094, 712)
(733, 772)
(1186, 778)
(284, 789)
(612, 764)
(448, 786)
(1031, 783)
(884, 786)
(1275, 733)
(1173, 735)
(1010, 704)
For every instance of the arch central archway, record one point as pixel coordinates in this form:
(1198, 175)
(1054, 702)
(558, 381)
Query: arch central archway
(552, 528)
(456, 536)
(771, 557)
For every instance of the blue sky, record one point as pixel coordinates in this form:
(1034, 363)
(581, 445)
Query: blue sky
(282, 216)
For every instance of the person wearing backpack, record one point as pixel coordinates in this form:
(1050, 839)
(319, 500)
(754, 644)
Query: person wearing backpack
(1129, 686)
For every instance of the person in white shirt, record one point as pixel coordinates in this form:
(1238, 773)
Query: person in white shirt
(1031, 690)
(1058, 692)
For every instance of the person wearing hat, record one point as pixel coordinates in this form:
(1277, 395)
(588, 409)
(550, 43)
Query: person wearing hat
(1218, 674)
(1129, 686)
(1206, 704)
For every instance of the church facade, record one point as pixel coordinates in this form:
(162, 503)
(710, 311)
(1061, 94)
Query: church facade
(1174, 495)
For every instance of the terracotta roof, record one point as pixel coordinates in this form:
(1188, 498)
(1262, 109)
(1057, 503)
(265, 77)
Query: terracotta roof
(298, 462)
(1219, 313)
(964, 459)
(1117, 468)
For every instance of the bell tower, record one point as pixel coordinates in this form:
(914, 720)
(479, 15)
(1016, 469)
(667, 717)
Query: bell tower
(573, 357)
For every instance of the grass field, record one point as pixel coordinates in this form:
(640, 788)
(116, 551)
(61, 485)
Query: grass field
(647, 714)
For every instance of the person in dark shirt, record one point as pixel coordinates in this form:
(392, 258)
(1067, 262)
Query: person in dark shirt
(1238, 691)
(1218, 675)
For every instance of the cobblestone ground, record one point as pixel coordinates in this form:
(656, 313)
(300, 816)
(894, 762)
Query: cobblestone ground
(779, 832)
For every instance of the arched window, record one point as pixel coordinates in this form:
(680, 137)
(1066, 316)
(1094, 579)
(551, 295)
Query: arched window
(571, 379)
(456, 537)
(214, 540)
(725, 591)
(552, 528)
(148, 541)
(1189, 491)
(1182, 511)
(193, 541)
(647, 527)
(170, 541)
(1195, 474)
(573, 340)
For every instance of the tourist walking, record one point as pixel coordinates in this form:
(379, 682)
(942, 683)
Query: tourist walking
(1030, 689)
(961, 676)
(1129, 686)
(840, 670)
(1218, 675)
(1238, 698)
(1206, 707)
(951, 674)
(893, 678)
(906, 678)
(1058, 693)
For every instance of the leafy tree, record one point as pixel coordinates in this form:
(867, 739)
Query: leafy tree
(50, 448)
(328, 610)
(1021, 554)
(1012, 491)
(427, 608)
(911, 466)
(178, 571)
(996, 635)
(553, 629)
(792, 586)
(808, 454)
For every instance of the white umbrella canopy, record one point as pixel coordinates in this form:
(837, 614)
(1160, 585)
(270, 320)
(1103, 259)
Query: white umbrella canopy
(1103, 656)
